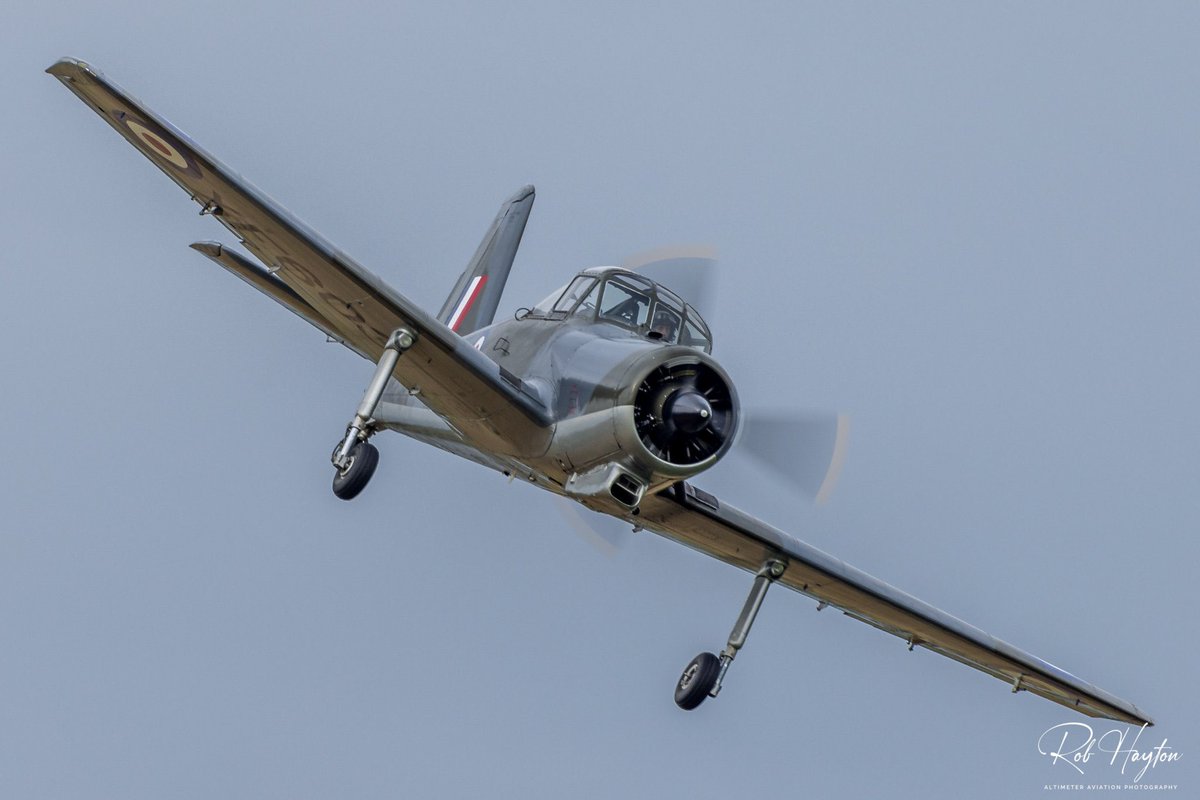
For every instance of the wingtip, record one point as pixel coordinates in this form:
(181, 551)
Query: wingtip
(523, 193)
(210, 249)
(70, 68)
(1129, 714)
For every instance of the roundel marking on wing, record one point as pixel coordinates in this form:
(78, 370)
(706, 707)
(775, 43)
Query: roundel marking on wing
(158, 145)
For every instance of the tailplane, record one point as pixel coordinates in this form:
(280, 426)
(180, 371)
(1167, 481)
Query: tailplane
(472, 304)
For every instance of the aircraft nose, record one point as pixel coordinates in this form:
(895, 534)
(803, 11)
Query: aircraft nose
(688, 411)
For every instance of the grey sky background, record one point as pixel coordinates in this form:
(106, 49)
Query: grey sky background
(975, 230)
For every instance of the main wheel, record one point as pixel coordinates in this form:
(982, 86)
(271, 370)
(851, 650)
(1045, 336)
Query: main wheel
(698, 679)
(360, 466)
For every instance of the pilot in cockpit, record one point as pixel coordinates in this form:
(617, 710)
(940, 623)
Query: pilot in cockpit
(665, 325)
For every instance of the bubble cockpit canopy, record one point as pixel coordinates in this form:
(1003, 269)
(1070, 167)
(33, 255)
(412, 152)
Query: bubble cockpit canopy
(620, 297)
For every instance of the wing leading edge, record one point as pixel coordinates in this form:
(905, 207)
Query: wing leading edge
(324, 285)
(702, 522)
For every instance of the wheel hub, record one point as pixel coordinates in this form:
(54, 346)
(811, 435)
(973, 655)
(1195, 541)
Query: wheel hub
(685, 680)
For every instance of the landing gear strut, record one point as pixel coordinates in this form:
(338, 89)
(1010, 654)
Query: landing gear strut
(354, 459)
(702, 677)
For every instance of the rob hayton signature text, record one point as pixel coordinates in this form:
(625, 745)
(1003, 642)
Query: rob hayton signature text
(1075, 743)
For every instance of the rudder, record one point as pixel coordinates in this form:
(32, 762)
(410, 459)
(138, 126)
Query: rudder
(472, 303)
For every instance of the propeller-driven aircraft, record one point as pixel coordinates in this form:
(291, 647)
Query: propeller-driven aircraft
(605, 393)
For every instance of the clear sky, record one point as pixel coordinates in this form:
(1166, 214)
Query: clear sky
(974, 230)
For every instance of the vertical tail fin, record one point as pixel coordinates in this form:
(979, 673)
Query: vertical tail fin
(472, 304)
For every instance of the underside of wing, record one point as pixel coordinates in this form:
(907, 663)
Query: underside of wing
(701, 521)
(323, 285)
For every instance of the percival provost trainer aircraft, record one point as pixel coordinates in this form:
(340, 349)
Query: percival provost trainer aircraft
(605, 393)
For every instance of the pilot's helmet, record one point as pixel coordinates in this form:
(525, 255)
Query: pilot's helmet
(665, 324)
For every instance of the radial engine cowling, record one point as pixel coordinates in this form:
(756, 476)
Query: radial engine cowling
(662, 415)
(681, 417)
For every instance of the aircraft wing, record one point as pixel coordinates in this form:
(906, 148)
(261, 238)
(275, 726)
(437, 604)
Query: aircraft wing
(324, 285)
(701, 521)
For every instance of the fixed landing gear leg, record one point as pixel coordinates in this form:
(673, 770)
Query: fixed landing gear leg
(355, 459)
(703, 676)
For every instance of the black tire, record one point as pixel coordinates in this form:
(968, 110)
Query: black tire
(347, 483)
(697, 680)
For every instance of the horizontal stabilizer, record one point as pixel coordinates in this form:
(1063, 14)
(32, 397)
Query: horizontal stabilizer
(268, 284)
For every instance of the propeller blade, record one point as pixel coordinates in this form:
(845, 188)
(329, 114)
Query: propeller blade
(806, 450)
(607, 534)
(688, 270)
